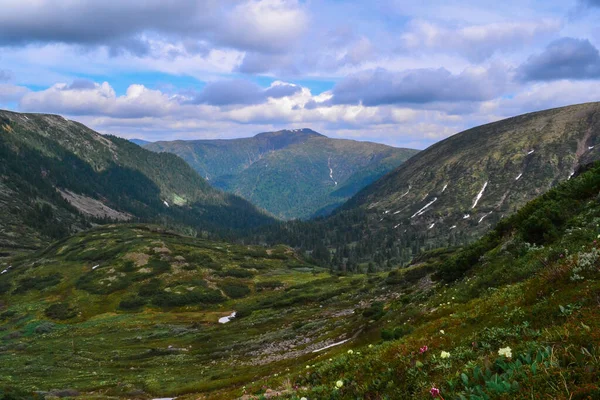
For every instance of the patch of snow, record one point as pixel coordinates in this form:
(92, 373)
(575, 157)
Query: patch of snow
(519, 177)
(431, 226)
(453, 227)
(466, 216)
(422, 210)
(386, 211)
(445, 187)
(396, 226)
(6, 270)
(530, 152)
(396, 212)
(481, 219)
(25, 116)
(165, 203)
(331, 345)
(224, 320)
(571, 175)
(479, 195)
(590, 147)
(95, 266)
(406, 192)
(331, 172)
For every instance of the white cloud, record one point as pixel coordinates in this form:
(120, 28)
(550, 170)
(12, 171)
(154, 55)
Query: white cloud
(477, 42)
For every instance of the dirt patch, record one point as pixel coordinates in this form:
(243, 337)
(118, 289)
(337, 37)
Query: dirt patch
(139, 259)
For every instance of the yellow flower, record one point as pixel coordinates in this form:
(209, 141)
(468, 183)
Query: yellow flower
(445, 354)
(442, 332)
(350, 351)
(339, 384)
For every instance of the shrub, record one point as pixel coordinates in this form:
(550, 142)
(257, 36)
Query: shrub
(150, 288)
(60, 311)
(132, 303)
(235, 290)
(37, 283)
(375, 311)
(167, 299)
(236, 273)
(396, 333)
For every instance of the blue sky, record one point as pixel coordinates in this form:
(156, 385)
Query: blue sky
(402, 73)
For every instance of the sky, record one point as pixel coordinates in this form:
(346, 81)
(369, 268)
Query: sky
(404, 73)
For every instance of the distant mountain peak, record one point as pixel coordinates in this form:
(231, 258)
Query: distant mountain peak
(290, 132)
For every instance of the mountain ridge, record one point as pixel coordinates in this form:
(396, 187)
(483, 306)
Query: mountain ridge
(58, 176)
(294, 173)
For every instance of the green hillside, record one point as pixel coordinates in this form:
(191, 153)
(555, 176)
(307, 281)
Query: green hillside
(132, 311)
(292, 174)
(454, 191)
(58, 176)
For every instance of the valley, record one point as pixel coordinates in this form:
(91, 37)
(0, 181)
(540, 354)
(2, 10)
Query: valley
(126, 303)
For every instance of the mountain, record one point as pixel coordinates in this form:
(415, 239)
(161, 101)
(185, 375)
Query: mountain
(58, 176)
(291, 173)
(139, 142)
(454, 191)
(138, 311)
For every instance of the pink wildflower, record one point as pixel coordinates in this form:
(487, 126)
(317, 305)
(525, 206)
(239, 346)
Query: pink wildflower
(423, 349)
(435, 392)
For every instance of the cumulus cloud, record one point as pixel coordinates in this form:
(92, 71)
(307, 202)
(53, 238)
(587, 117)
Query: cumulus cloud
(565, 58)
(11, 93)
(419, 86)
(81, 98)
(262, 26)
(476, 42)
(241, 92)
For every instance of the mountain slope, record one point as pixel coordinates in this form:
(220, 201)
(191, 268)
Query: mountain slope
(58, 176)
(133, 311)
(454, 191)
(292, 174)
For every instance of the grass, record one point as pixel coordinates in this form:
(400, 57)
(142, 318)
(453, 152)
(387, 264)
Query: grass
(442, 323)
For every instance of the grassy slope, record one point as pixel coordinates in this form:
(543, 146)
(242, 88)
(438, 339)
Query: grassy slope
(166, 340)
(543, 147)
(531, 284)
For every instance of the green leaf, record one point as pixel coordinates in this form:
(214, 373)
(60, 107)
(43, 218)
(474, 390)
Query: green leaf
(465, 379)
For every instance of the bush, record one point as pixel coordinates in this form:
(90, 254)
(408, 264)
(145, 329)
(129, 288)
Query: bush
(235, 290)
(37, 283)
(132, 303)
(375, 311)
(60, 311)
(236, 273)
(150, 288)
(396, 333)
(167, 299)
